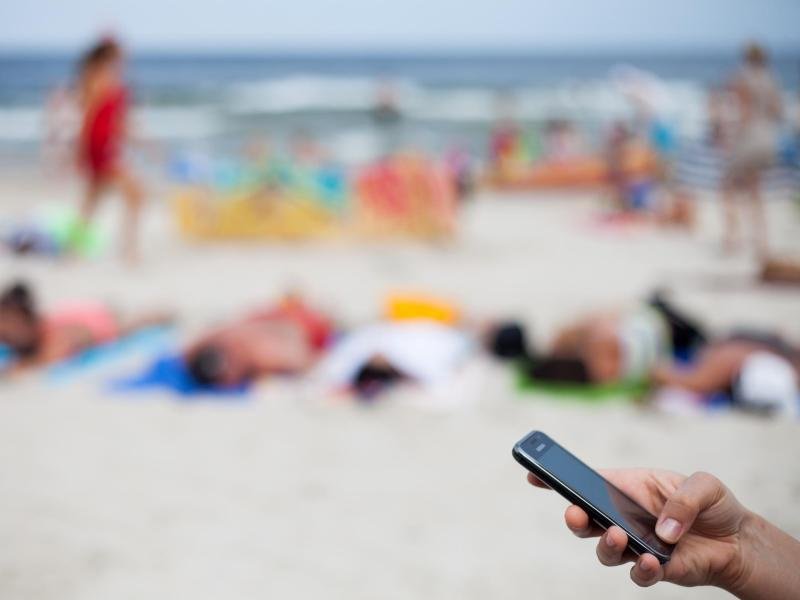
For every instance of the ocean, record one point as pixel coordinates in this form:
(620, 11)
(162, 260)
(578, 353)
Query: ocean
(220, 101)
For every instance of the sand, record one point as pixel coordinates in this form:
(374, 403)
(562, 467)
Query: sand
(295, 495)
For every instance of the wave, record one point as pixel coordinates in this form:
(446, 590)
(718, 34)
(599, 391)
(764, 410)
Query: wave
(302, 93)
(24, 124)
(179, 122)
(585, 100)
(29, 124)
(342, 106)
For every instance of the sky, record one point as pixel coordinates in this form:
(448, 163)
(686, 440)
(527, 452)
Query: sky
(406, 25)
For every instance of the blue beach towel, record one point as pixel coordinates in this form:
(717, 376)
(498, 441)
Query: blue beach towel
(6, 357)
(169, 371)
(150, 340)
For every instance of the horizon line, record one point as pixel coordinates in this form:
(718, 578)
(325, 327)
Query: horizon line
(398, 50)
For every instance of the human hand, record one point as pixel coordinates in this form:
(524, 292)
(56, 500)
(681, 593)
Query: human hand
(698, 513)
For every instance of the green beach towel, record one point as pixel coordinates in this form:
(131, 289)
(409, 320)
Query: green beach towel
(624, 391)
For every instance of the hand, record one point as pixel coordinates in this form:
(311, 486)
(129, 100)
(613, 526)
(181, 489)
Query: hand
(697, 513)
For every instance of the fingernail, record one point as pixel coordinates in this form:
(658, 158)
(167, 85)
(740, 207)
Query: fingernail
(644, 566)
(609, 541)
(668, 530)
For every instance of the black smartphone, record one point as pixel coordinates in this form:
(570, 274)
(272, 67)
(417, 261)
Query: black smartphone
(605, 504)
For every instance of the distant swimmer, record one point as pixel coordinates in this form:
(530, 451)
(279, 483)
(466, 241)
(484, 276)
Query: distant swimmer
(386, 111)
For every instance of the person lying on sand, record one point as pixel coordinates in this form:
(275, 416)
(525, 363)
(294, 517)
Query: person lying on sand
(375, 357)
(423, 351)
(35, 338)
(760, 372)
(656, 343)
(617, 346)
(287, 338)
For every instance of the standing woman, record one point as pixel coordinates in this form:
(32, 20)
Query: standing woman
(754, 142)
(104, 133)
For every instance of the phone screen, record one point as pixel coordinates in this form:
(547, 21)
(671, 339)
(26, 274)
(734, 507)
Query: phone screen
(601, 494)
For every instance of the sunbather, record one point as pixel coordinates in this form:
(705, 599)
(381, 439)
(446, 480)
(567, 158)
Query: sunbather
(656, 343)
(757, 372)
(286, 338)
(373, 358)
(42, 338)
(617, 346)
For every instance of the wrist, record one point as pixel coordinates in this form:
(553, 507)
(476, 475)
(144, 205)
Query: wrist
(741, 573)
(765, 563)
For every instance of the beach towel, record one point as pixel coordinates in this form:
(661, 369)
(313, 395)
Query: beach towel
(6, 357)
(625, 391)
(151, 339)
(169, 372)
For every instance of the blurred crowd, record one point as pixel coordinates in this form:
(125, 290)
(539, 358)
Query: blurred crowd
(650, 349)
(651, 346)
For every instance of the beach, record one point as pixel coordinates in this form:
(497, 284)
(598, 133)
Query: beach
(295, 493)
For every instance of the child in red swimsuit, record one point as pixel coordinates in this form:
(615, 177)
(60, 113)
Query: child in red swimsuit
(103, 134)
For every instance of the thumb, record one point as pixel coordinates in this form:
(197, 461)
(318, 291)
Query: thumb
(697, 493)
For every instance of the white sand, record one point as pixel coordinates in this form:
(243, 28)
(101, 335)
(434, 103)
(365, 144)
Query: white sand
(294, 496)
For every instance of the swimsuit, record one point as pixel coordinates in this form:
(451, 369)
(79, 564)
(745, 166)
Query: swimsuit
(644, 339)
(101, 142)
(94, 320)
(316, 327)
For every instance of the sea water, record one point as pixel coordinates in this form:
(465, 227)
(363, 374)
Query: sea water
(223, 101)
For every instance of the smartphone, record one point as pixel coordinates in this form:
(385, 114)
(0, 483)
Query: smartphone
(605, 504)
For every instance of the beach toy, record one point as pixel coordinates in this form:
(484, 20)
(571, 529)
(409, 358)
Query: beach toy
(73, 235)
(403, 307)
(56, 232)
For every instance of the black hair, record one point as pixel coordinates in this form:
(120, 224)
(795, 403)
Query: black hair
(559, 369)
(508, 341)
(372, 378)
(18, 298)
(205, 366)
